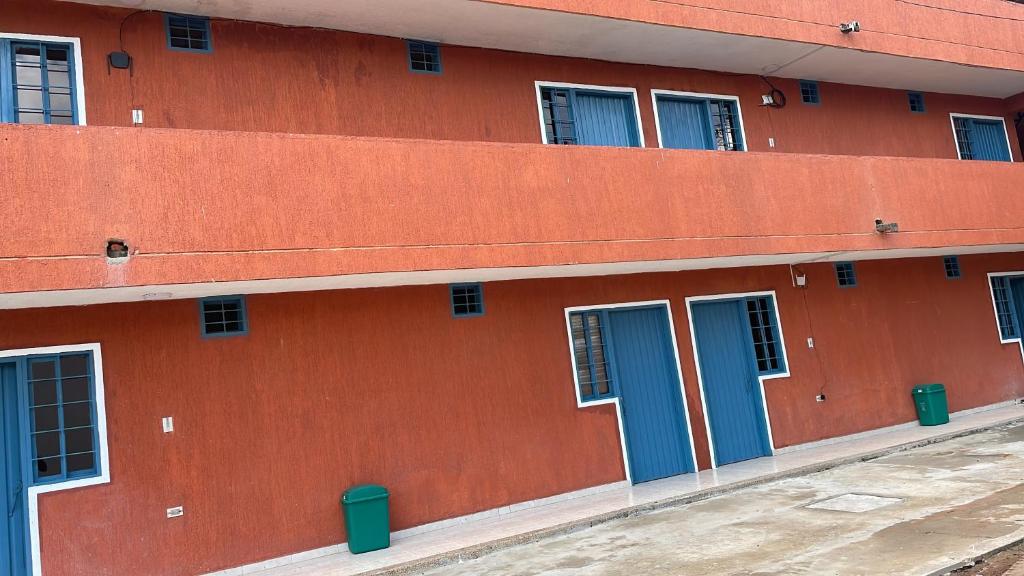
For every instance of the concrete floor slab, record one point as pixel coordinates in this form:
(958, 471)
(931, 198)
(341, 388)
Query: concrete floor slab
(943, 503)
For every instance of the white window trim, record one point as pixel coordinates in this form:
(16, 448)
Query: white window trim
(79, 69)
(620, 89)
(618, 408)
(33, 492)
(995, 310)
(657, 113)
(956, 141)
(690, 301)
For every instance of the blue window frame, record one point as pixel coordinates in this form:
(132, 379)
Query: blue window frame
(424, 57)
(590, 351)
(37, 82)
(916, 101)
(589, 117)
(467, 300)
(764, 329)
(698, 123)
(981, 139)
(188, 33)
(952, 267)
(809, 93)
(846, 275)
(1005, 313)
(223, 316)
(61, 412)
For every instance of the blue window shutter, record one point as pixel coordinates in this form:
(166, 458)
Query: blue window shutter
(684, 124)
(989, 140)
(605, 119)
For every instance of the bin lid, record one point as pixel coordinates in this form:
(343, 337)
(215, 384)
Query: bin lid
(924, 388)
(364, 492)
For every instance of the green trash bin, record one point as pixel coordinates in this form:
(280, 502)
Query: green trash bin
(930, 400)
(366, 518)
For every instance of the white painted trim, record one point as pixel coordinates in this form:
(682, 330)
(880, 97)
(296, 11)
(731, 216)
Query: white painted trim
(538, 84)
(889, 429)
(79, 75)
(657, 113)
(421, 529)
(33, 492)
(956, 141)
(761, 379)
(618, 408)
(995, 312)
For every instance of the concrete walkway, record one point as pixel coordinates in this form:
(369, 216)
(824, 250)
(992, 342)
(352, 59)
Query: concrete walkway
(511, 530)
(917, 512)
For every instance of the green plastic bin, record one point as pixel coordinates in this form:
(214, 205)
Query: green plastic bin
(366, 518)
(930, 400)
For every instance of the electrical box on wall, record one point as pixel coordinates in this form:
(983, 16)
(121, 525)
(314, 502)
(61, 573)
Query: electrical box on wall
(176, 512)
(168, 424)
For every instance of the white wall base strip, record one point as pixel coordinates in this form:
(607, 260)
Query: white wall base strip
(904, 426)
(423, 528)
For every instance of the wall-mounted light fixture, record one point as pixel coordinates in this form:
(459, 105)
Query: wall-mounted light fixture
(883, 227)
(848, 27)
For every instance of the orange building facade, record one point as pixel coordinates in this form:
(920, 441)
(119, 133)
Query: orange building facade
(274, 253)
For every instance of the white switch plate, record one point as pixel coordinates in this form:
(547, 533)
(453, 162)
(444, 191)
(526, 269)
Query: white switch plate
(810, 342)
(136, 116)
(771, 142)
(176, 511)
(168, 423)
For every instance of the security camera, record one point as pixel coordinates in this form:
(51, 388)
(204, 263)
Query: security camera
(851, 26)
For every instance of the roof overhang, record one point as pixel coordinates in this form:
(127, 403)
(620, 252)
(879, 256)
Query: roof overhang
(544, 31)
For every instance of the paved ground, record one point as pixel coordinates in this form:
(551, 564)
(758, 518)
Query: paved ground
(1007, 563)
(936, 506)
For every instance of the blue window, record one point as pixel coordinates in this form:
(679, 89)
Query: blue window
(809, 93)
(188, 33)
(845, 274)
(62, 416)
(589, 117)
(467, 300)
(1005, 314)
(424, 57)
(952, 266)
(765, 332)
(699, 123)
(590, 350)
(37, 83)
(916, 100)
(981, 139)
(223, 316)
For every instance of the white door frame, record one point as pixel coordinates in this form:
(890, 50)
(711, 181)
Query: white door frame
(690, 301)
(618, 407)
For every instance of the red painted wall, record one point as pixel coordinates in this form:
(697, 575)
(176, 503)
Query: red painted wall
(199, 206)
(272, 78)
(455, 416)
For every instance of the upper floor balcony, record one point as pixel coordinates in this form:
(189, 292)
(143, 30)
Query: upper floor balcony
(948, 46)
(206, 212)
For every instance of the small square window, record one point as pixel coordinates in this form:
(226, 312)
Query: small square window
(809, 93)
(424, 57)
(952, 266)
(188, 33)
(846, 275)
(223, 316)
(467, 300)
(916, 100)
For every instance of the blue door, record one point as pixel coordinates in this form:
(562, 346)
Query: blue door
(604, 119)
(12, 521)
(684, 124)
(649, 394)
(731, 388)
